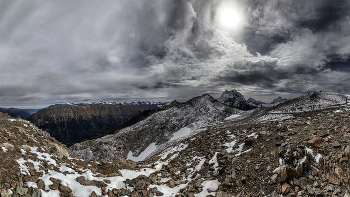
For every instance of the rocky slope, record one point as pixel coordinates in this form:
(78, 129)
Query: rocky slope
(155, 129)
(73, 123)
(18, 139)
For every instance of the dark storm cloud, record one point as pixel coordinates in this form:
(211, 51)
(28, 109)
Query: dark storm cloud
(58, 51)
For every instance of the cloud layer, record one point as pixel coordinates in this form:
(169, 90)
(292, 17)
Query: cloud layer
(63, 51)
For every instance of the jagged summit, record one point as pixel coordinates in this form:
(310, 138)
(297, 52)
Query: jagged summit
(254, 103)
(235, 99)
(279, 100)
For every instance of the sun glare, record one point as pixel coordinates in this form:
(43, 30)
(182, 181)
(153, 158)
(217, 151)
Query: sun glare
(230, 17)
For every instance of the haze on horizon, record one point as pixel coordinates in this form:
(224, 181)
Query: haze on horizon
(161, 50)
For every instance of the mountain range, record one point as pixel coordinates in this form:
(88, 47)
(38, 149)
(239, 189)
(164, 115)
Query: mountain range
(155, 130)
(196, 148)
(74, 123)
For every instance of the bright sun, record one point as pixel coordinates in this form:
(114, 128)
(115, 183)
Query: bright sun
(230, 17)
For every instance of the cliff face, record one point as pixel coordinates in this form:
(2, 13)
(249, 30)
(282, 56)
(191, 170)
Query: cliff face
(71, 124)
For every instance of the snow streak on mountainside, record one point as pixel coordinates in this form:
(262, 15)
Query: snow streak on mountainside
(157, 129)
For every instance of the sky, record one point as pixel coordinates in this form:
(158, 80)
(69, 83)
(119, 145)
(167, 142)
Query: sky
(127, 50)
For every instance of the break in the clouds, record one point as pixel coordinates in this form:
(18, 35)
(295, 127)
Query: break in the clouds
(72, 51)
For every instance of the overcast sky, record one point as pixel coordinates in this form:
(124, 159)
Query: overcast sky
(122, 50)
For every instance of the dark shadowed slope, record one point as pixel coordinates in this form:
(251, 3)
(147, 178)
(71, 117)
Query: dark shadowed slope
(70, 123)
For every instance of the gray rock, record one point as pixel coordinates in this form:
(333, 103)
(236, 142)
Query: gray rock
(303, 182)
(347, 150)
(343, 159)
(274, 179)
(36, 192)
(20, 189)
(223, 194)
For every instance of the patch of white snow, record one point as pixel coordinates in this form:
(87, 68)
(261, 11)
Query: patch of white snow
(208, 188)
(232, 117)
(4, 149)
(152, 147)
(318, 157)
(181, 133)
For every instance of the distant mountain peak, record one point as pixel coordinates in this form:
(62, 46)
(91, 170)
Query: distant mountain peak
(279, 100)
(235, 99)
(253, 102)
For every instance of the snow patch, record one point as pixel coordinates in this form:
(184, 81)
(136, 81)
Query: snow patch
(152, 147)
(309, 150)
(232, 117)
(318, 157)
(274, 117)
(230, 146)
(199, 166)
(302, 160)
(208, 188)
(255, 135)
(215, 161)
(239, 150)
(280, 161)
(178, 148)
(181, 133)
(4, 149)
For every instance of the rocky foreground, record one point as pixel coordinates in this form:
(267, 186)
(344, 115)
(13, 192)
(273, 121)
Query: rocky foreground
(261, 154)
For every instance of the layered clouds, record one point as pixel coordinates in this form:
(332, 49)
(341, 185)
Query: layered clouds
(63, 51)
